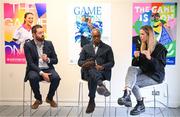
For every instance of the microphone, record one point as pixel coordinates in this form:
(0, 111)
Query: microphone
(137, 48)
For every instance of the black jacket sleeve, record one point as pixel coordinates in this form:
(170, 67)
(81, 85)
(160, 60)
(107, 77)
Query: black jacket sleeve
(53, 56)
(110, 60)
(30, 63)
(157, 62)
(82, 58)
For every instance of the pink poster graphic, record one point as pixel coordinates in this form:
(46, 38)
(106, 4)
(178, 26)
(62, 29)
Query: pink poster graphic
(15, 28)
(162, 17)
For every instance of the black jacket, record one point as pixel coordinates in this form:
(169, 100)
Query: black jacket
(32, 56)
(154, 68)
(104, 57)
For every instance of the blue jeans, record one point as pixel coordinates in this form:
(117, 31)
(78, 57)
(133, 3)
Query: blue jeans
(136, 79)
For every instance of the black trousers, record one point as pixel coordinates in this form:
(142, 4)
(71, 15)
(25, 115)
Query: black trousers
(94, 78)
(35, 78)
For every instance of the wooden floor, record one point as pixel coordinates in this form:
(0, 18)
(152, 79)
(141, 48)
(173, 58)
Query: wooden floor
(69, 111)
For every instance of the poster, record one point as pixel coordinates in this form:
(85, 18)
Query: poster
(163, 19)
(13, 20)
(99, 15)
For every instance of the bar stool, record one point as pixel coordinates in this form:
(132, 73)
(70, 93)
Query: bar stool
(24, 89)
(80, 94)
(156, 92)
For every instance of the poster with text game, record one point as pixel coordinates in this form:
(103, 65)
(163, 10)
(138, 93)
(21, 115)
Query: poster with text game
(162, 17)
(82, 18)
(17, 28)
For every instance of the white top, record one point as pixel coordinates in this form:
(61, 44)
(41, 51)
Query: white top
(39, 46)
(95, 50)
(22, 34)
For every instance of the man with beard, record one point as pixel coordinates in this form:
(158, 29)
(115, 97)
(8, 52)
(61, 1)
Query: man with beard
(40, 57)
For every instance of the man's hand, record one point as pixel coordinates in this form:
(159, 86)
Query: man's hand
(99, 67)
(46, 76)
(88, 64)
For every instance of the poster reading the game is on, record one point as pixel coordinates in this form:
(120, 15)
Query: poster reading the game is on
(163, 19)
(17, 28)
(82, 18)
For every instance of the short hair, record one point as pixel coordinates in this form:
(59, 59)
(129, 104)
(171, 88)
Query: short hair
(96, 29)
(35, 27)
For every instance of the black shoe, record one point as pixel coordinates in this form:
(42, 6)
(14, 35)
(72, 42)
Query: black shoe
(91, 106)
(102, 90)
(126, 99)
(138, 109)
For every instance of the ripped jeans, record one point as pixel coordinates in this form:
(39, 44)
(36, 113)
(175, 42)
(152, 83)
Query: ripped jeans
(136, 79)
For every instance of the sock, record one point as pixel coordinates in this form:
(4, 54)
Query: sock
(91, 99)
(99, 82)
(128, 90)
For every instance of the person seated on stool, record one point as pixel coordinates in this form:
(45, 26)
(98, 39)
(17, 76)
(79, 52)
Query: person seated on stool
(147, 69)
(40, 56)
(96, 60)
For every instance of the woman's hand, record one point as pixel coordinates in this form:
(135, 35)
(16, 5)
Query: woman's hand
(147, 53)
(136, 54)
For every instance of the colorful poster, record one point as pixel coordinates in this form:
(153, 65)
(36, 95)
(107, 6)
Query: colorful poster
(163, 18)
(14, 22)
(82, 18)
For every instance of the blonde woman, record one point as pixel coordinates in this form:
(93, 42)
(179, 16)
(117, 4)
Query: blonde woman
(147, 69)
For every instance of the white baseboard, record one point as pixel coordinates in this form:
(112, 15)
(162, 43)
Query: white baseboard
(75, 103)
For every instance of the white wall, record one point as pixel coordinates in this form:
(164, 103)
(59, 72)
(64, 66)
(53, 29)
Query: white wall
(11, 76)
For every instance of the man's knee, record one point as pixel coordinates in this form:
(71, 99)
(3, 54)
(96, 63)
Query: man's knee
(54, 74)
(95, 74)
(55, 77)
(32, 75)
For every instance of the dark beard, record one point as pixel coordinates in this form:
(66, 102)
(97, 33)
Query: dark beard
(40, 38)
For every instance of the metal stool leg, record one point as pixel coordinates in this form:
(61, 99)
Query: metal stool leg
(23, 97)
(154, 101)
(105, 100)
(110, 99)
(80, 98)
(24, 91)
(50, 111)
(127, 111)
(167, 100)
(30, 102)
(57, 102)
(104, 103)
